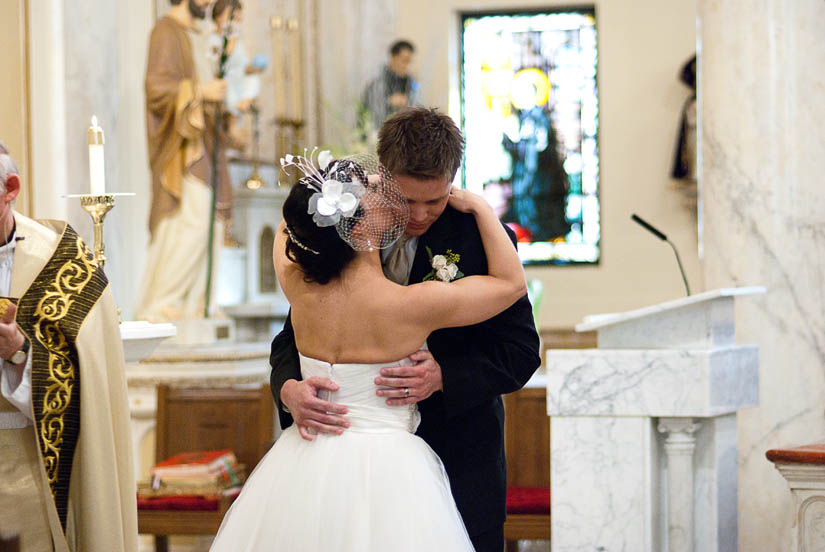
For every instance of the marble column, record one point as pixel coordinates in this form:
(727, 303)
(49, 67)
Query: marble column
(48, 109)
(679, 446)
(761, 86)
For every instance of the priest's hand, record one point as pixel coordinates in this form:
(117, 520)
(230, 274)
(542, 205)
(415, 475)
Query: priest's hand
(214, 91)
(11, 338)
(409, 384)
(311, 413)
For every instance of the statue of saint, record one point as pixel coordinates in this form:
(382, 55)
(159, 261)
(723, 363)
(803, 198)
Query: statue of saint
(183, 100)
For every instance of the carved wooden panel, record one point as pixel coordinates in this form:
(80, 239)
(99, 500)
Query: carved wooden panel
(527, 438)
(207, 419)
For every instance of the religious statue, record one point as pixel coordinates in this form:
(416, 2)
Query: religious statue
(191, 190)
(538, 179)
(685, 156)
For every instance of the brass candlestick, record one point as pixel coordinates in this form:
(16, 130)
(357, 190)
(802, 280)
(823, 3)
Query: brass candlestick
(288, 133)
(254, 182)
(97, 206)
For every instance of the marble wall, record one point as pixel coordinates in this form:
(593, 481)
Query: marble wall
(14, 108)
(763, 222)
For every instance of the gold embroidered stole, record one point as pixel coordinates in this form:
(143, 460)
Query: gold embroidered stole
(51, 313)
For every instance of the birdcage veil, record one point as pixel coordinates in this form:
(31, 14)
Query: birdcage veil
(356, 194)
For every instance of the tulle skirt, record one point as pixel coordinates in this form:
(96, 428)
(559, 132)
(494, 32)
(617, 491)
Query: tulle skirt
(358, 492)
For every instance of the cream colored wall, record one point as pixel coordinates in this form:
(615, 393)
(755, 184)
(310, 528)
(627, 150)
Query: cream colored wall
(642, 46)
(13, 94)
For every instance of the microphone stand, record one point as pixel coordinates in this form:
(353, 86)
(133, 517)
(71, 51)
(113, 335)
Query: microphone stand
(216, 136)
(653, 230)
(681, 269)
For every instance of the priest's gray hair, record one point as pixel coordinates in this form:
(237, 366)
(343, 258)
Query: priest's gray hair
(7, 166)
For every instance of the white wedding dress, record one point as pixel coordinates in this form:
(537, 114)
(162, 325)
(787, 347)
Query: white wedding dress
(377, 487)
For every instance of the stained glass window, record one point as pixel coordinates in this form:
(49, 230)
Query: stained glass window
(530, 116)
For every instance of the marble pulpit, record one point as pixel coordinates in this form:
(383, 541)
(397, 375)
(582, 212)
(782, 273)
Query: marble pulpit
(643, 451)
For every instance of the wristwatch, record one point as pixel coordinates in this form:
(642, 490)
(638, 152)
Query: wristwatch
(19, 357)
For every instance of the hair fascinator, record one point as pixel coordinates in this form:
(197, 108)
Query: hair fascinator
(356, 194)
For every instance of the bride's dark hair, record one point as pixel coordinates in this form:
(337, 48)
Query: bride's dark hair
(320, 252)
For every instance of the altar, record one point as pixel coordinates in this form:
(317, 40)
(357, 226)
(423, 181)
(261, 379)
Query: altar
(152, 358)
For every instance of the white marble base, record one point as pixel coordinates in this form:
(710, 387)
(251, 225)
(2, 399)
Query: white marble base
(257, 322)
(609, 474)
(604, 484)
(807, 483)
(203, 332)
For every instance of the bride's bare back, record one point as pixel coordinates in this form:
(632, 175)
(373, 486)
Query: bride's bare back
(357, 317)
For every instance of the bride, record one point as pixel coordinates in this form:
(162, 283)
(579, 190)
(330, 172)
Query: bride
(375, 486)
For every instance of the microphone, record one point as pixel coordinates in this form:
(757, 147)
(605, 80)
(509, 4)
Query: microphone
(653, 230)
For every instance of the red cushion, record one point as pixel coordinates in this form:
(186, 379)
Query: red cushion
(528, 500)
(190, 503)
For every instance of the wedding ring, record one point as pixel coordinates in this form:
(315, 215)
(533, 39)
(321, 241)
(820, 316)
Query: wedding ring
(406, 392)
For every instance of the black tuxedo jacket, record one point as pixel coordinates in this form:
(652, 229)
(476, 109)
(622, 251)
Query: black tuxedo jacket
(464, 423)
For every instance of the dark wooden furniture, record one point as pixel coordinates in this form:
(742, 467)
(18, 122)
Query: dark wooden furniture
(9, 542)
(527, 445)
(206, 419)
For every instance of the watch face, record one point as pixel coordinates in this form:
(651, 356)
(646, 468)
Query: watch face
(18, 358)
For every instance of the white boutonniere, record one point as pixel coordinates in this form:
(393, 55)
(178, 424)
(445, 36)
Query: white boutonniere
(445, 267)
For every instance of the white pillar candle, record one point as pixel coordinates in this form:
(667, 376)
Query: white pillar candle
(97, 175)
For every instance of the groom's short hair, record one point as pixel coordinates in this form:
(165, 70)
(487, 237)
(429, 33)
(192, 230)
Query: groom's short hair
(421, 143)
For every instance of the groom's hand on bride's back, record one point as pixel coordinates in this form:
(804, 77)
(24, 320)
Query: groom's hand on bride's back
(410, 384)
(311, 413)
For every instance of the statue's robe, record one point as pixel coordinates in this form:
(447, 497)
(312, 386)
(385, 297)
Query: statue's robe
(68, 480)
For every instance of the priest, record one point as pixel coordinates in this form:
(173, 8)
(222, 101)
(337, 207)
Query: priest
(67, 481)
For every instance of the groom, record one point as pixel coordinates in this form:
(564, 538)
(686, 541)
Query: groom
(459, 381)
